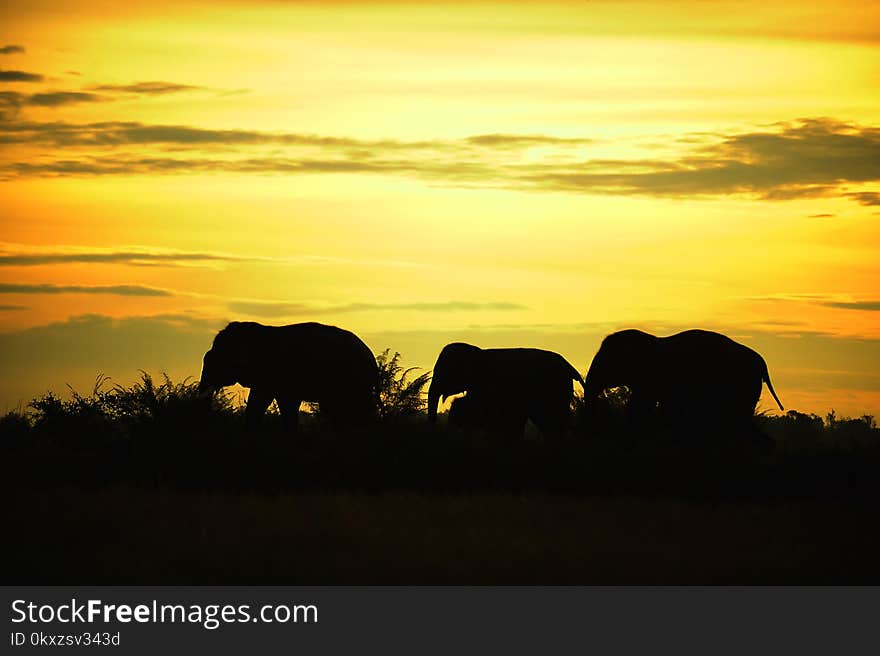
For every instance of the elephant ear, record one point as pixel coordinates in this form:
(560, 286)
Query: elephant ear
(465, 367)
(238, 346)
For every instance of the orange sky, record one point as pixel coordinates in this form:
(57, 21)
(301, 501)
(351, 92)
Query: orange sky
(518, 174)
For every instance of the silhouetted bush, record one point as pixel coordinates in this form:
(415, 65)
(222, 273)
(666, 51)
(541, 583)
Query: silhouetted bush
(399, 397)
(15, 429)
(164, 431)
(796, 431)
(111, 417)
(604, 417)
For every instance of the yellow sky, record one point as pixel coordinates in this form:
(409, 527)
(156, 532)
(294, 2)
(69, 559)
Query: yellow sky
(514, 174)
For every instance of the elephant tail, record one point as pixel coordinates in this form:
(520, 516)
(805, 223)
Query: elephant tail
(766, 378)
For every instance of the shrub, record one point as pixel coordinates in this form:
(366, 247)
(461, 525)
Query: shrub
(400, 397)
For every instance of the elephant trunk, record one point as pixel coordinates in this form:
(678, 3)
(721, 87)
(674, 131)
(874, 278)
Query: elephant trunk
(433, 399)
(592, 386)
(205, 389)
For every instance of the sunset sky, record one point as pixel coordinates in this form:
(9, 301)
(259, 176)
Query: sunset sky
(509, 174)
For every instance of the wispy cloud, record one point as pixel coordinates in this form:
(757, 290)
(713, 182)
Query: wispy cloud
(147, 88)
(115, 290)
(11, 49)
(524, 140)
(870, 306)
(12, 102)
(16, 255)
(825, 300)
(802, 159)
(811, 157)
(20, 76)
(129, 132)
(58, 98)
(12, 308)
(867, 198)
(20, 255)
(282, 309)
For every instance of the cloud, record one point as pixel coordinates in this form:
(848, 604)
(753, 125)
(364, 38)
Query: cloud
(870, 306)
(824, 300)
(18, 255)
(524, 140)
(19, 76)
(58, 98)
(811, 157)
(12, 308)
(116, 290)
(11, 103)
(807, 158)
(118, 133)
(21, 255)
(466, 172)
(867, 198)
(132, 133)
(11, 50)
(820, 216)
(148, 88)
(283, 309)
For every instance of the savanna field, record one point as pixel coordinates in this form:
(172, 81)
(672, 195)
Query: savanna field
(656, 206)
(151, 484)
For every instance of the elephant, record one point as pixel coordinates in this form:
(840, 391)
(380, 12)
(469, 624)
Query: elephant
(466, 412)
(291, 364)
(505, 387)
(696, 378)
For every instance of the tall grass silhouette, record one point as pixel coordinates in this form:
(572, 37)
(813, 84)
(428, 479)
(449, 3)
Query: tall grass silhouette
(152, 483)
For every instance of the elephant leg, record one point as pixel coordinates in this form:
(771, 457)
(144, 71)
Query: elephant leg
(334, 409)
(258, 402)
(289, 405)
(551, 417)
(641, 405)
(511, 422)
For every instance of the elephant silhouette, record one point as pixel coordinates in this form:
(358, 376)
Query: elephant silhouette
(469, 413)
(696, 378)
(291, 364)
(505, 387)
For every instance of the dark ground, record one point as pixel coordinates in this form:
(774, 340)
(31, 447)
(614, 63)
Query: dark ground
(572, 515)
(156, 490)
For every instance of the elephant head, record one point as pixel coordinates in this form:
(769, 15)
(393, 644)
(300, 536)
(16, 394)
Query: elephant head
(625, 358)
(455, 372)
(229, 359)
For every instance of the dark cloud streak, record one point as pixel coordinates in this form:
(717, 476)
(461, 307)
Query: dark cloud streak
(115, 290)
(11, 49)
(58, 98)
(869, 306)
(20, 76)
(154, 88)
(808, 158)
(281, 308)
(135, 257)
(866, 198)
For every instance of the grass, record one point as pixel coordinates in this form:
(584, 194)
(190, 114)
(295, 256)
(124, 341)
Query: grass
(130, 535)
(150, 484)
